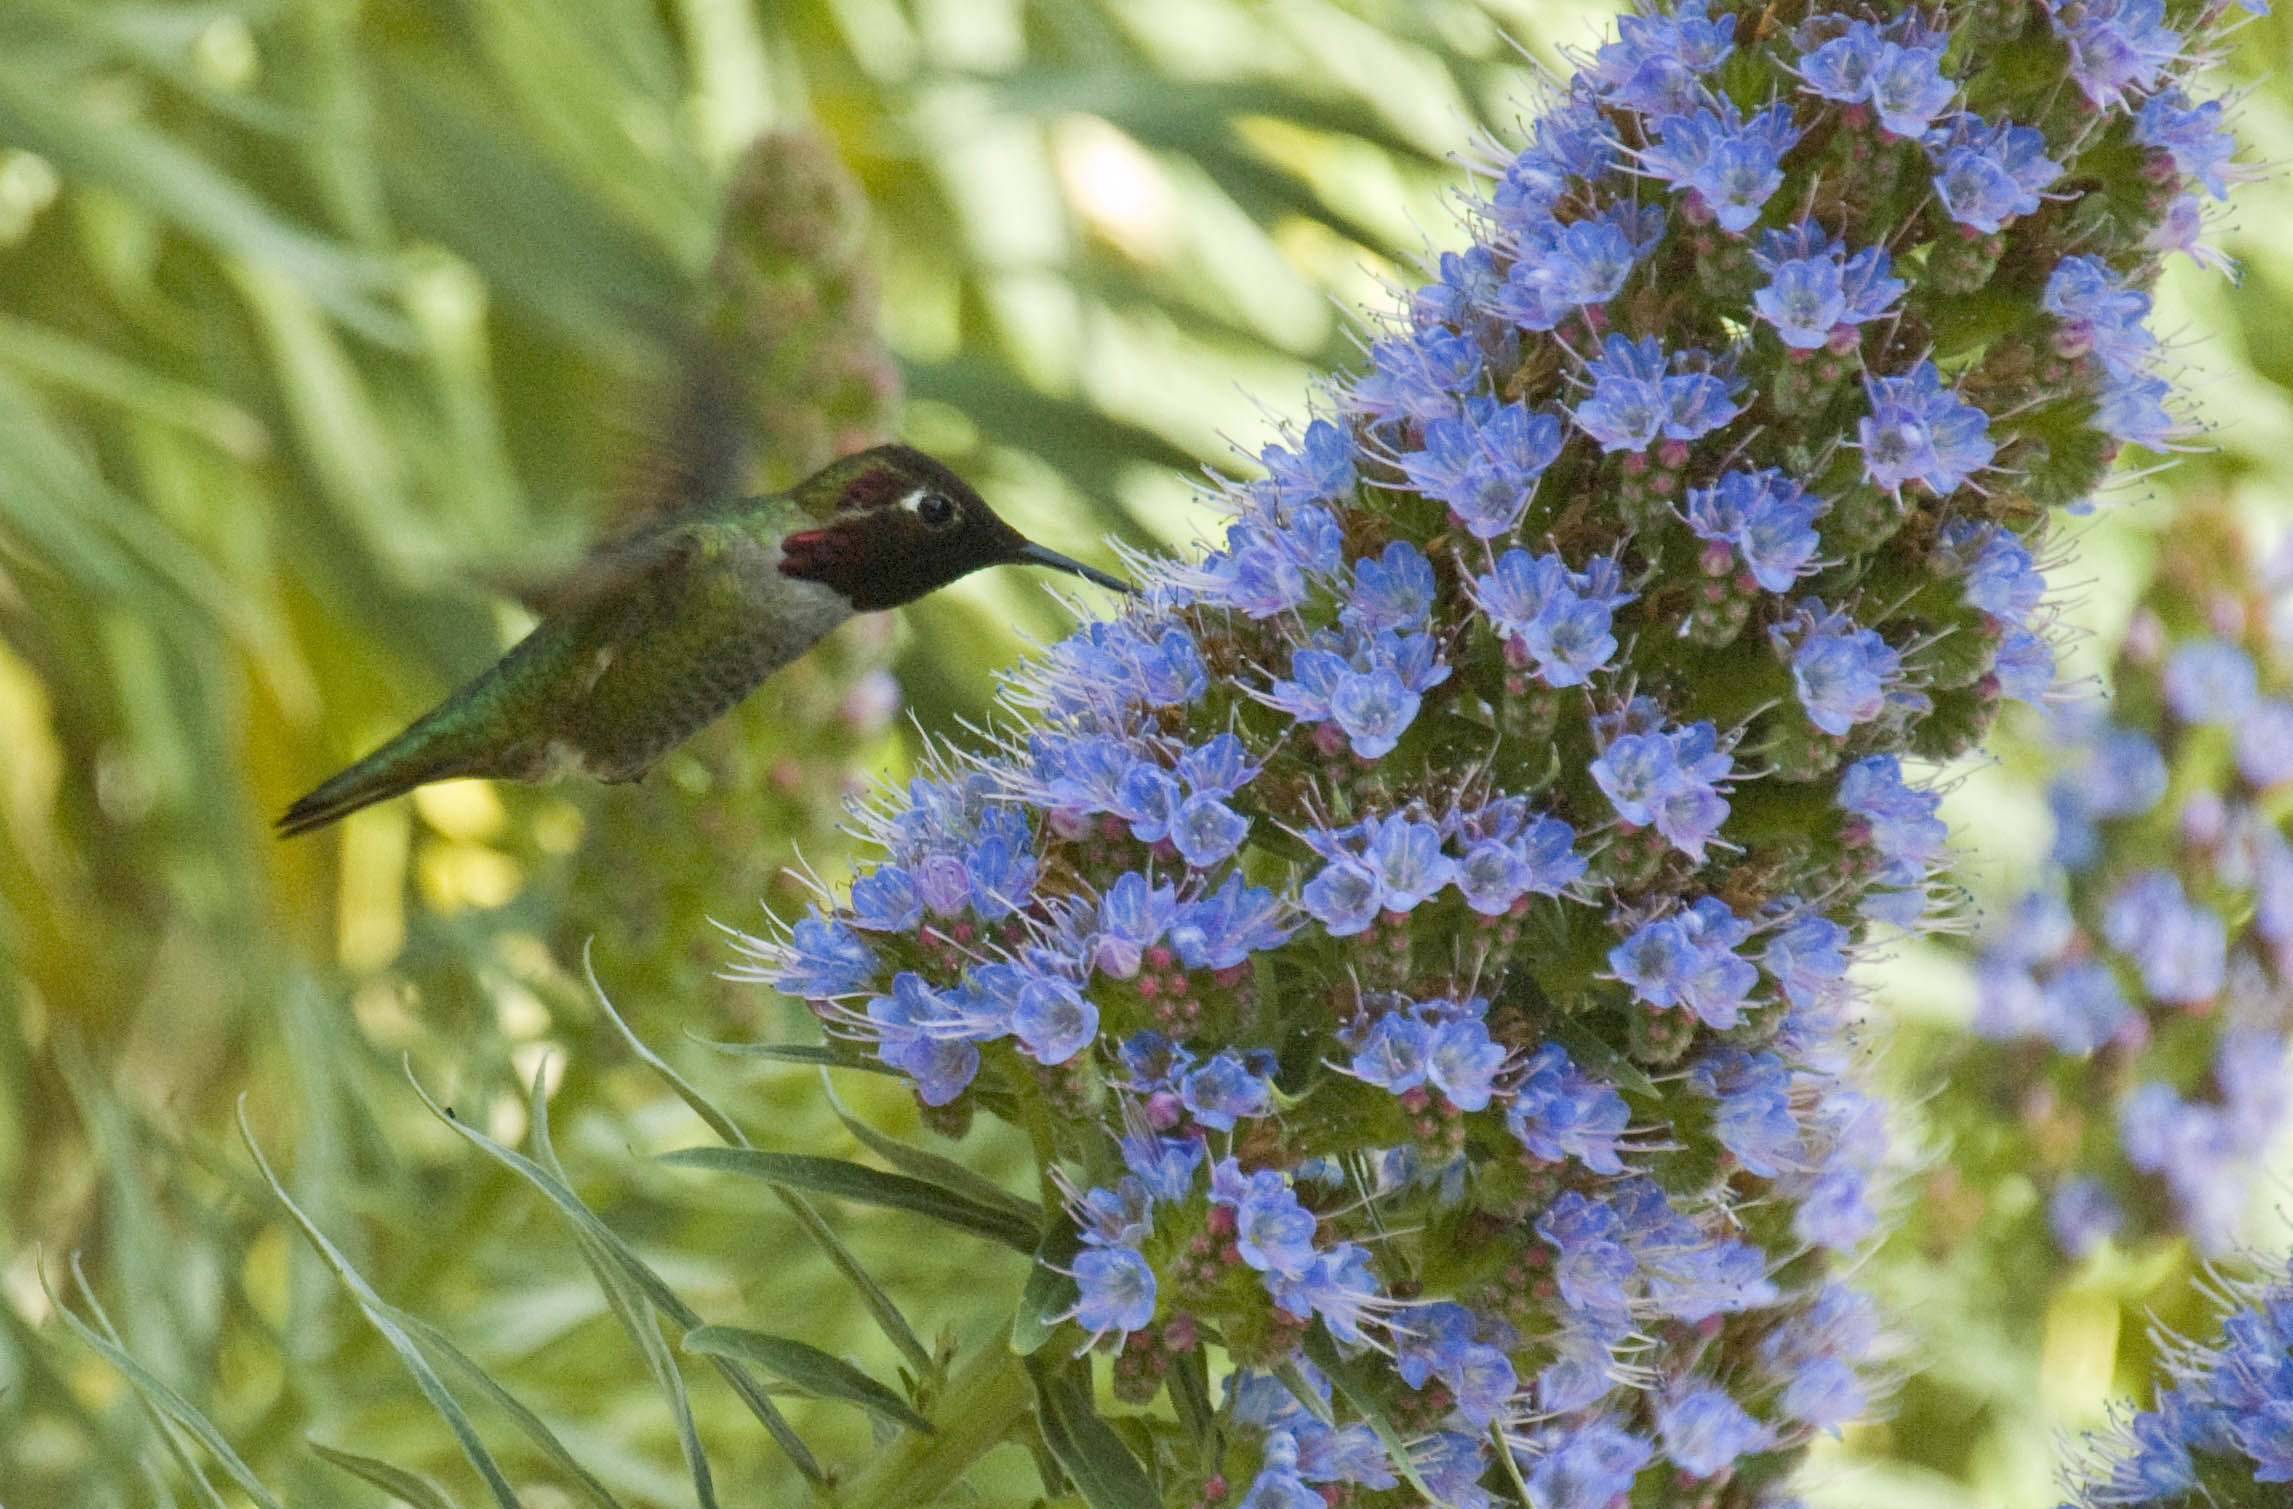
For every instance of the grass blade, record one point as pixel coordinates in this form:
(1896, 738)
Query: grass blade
(1094, 1457)
(410, 1487)
(807, 1367)
(425, 1376)
(163, 1400)
(887, 1315)
(869, 1186)
(648, 1283)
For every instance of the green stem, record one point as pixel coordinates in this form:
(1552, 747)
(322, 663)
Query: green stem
(987, 1397)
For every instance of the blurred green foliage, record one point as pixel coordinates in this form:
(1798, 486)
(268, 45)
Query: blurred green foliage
(313, 316)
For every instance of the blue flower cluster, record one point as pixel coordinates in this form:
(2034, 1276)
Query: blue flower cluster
(1418, 932)
(2221, 1431)
(2152, 969)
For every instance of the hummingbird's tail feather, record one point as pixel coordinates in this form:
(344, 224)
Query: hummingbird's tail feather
(413, 759)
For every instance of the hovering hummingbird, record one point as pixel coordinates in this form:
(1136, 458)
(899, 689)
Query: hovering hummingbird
(661, 632)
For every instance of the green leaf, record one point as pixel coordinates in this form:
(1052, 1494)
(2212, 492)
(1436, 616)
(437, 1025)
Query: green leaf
(648, 1283)
(931, 1167)
(535, 1429)
(1321, 1349)
(1596, 1057)
(806, 1366)
(153, 171)
(887, 1315)
(1049, 1291)
(826, 1055)
(395, 1481)
(1102, 1467)
(163, 1401)
(425, 1376)
(869, 1186)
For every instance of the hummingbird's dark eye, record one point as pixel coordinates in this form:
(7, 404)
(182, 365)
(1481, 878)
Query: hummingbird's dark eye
(936, 510)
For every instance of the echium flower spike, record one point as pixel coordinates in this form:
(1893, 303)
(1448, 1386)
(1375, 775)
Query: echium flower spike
(2220, 1432)
(2139, 1001)
(1419, 929)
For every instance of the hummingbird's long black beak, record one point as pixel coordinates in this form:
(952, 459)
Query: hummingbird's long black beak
(1041, 555)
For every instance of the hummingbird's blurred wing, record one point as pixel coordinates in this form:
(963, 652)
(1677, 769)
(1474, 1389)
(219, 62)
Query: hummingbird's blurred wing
(644, 574)
(687, 445)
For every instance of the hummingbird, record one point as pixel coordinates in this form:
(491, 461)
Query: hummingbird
(659, 633)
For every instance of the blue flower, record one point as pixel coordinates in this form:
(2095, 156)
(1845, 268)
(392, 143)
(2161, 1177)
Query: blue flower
(1407, 859)
(1919, 432)
(1205, 830)
(1417, 376)
(1273, 1233)
(1393, 592)
(909, 1025)
(1133, 916)
(1484, 463)
(1118, 1217)
(1558, 269)
(1053, 1020)
(1559, 1111)
(1322, 467)
(1462, 1062)
(1807, 959)
(2097, 312)
(1813, 287)
(1223, 1090)
(1638, 396)
(1753, 1116)
(1586, 1464)
(1705, 1430)
(1985, 175)
(823, 960)
(1116, 1290)
(2116, 46)
(1345, 897)
(1653, 64)
(1392, 1053)
(1902, 81)
(1220, 930)
(1668, 778)
(2210, 682)
(1164, 1166)
(2195, 137)
(1589, 1265)
(1841, 672)
(1000, 875)
(884, 901)
(1730, 163)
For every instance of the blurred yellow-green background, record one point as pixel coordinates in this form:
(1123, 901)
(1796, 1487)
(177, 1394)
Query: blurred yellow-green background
(316, 315)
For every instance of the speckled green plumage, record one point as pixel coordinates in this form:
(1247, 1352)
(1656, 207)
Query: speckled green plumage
(658, 634)
(650, 641)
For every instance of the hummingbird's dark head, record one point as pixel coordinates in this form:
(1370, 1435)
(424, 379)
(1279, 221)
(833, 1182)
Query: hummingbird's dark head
(894, 524)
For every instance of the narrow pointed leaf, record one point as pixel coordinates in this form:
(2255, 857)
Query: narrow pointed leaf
(648, 1283)
(1094, 1457)
(825, 1055)
(1321, 1350)
(373, 1307)
(887, 1316)
(1049, 1293)
(869, 1186)
(156, 1394)
(410, 1487)
(931, 1167)
(536, 1430)
(807, 1367)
